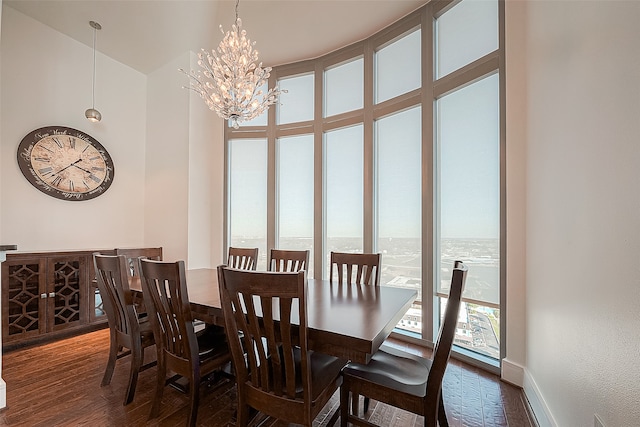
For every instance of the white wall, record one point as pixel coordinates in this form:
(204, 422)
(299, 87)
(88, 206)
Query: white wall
(167, 159)
(206, 181)
(46, 80)
(185, 169)
(583, 211)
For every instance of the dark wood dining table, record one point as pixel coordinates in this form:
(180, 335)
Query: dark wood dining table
(347, 321)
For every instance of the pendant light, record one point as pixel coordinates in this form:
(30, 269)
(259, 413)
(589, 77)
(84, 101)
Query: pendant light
(92, 114)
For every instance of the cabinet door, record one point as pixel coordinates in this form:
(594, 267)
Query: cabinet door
(67, 279)
(24, 299)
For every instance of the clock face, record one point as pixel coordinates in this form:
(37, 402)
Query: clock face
(65, 163)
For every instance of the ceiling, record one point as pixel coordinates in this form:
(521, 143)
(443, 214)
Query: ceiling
(146, 34)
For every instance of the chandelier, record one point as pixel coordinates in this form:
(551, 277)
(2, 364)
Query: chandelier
(230, 82)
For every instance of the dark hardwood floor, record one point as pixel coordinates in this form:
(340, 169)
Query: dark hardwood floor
(58, 384)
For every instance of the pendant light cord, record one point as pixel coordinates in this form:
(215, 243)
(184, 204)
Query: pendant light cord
(93, 86)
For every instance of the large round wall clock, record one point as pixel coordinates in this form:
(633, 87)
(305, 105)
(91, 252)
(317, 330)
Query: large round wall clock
(65, 163)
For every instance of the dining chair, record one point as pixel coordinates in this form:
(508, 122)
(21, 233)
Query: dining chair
(179, 350)
(355, 268)
(126, 329)
(360, 269)
(404, 380)
(288, 260)
(133, 254)
(280, 376)
(242, 258)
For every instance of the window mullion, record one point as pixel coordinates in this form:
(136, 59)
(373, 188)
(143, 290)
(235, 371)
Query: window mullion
(369, 232)
(318, 180)
(428, 178)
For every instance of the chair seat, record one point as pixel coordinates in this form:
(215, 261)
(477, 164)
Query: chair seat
(212, 345)
(324, 370)
(394, 369)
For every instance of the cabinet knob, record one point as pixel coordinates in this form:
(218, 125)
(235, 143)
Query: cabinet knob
(52, 294)
(43, 295)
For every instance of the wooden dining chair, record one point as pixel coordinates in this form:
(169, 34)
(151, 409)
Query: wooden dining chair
(126, 329)
(280, 377)
(164, 288)
(132, 255)
(355, 268)
(287, 260)
(242, 258)
(404, 380)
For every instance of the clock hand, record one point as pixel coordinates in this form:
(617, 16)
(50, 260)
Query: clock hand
(72, 164)
(82, 169)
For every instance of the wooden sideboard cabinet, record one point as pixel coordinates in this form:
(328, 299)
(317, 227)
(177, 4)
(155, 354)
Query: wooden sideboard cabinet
(46, 295)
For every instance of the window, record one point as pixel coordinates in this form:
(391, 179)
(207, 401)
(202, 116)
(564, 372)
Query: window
(401, 155)
(296, 104)
(399, 198)
(343, 192)
(469, 209)
(248, 195)
(343, 87)
(468, 215)
(397, 67)
(465, 33)
(295, 195)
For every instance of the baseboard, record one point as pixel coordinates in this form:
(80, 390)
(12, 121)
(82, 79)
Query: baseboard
(519, 376)
(538, 405)
(53, 336)
(3, 394)
(512, 373)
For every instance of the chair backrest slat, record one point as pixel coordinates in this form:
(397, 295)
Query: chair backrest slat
(365, 266)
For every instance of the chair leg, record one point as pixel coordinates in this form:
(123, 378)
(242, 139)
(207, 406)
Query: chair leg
(194, 398)
(242, 414)
(442, 414)
(160, 383)
(344, 405)
(136, 363)
(111, 363)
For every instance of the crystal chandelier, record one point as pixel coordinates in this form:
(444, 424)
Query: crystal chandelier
(230, 82)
